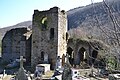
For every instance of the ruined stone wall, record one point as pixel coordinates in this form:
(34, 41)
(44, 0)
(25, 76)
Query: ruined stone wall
(28, 50)
(45, 36)
(76, 45)
(62, 31)
(90, 49)
(13, 44)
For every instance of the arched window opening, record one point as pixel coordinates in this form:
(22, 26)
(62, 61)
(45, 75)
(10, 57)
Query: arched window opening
(81, 56)
(70, 52)
(44, 23)
(94, 55)
(44, 57)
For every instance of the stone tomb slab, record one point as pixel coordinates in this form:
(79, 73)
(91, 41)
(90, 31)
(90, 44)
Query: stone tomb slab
(43, 67)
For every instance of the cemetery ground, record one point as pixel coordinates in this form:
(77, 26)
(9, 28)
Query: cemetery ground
(91, 73)
(49, 74)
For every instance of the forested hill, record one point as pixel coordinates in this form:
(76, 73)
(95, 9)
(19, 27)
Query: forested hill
(85, 16)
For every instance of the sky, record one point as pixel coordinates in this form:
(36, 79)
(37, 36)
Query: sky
(16, 11)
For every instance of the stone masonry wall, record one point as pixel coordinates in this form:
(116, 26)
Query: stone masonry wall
(13, 44)
(46, 38)
(62, 30)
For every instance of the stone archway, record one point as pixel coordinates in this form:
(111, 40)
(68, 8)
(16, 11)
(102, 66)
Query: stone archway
(81, 55)
(70, 52)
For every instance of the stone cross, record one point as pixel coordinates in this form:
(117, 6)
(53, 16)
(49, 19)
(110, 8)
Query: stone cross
(21, 74)
(21, 60)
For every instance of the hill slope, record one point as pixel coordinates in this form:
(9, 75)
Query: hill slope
(19, 25)
(83, 15)
(91, 17)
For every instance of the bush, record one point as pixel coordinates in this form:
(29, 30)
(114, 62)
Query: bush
(112, 63)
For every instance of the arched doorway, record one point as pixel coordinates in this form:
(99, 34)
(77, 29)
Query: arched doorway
(81, 55)
(94, 55)
(70, 52)
(44, 57)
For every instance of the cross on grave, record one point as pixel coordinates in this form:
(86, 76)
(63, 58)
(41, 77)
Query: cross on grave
(21, 74)
(21, 60)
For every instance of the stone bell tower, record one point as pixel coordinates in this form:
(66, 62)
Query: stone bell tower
(49, 36)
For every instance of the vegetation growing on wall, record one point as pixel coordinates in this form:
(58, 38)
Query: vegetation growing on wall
(111, 62)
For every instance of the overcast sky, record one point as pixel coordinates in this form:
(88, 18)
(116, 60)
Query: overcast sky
(15, 11)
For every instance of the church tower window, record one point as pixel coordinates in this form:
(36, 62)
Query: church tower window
(44, 23)
(42, 55)
(52, 33)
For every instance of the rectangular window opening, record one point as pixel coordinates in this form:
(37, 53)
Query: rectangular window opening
(52, 33)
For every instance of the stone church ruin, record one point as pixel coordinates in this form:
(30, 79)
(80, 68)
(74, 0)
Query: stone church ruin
(84, 52)
(14, 44)
(47, 40)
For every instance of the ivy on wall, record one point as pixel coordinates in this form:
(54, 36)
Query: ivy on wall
(112, 62)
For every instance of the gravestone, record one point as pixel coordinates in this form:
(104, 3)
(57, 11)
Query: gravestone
(67, 72)
(58, 63)
(67, 60)
(21, 75)
(41, 69)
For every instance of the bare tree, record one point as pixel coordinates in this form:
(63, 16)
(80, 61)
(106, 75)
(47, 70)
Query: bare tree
(112, 36)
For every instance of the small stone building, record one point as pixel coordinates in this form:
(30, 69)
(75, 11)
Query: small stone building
(48, 36)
